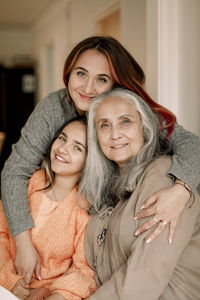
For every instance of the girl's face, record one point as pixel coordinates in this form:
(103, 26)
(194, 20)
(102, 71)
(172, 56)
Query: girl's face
(89, 78)
(119, 130)
(68, 152)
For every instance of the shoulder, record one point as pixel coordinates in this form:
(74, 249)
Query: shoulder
(37, 181)
(53, 99)
(181, 134)
(159, 168)
(48, 115)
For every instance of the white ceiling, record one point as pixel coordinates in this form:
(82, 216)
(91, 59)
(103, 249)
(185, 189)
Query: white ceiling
(20, 13)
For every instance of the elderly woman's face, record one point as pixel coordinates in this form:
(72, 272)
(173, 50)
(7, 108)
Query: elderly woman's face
(119, 130)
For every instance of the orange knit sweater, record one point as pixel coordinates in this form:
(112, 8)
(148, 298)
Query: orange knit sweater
(58, 237)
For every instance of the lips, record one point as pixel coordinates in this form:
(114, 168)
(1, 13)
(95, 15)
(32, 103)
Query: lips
(61, 159)
(120, 146)
(87, 98)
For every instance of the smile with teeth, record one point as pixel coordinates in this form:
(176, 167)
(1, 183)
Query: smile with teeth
(61, 158)
(119, 146)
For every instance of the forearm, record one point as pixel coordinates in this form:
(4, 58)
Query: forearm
(15, 202)
(27, 155)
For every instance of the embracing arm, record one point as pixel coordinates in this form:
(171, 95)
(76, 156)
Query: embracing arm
(168, 204)
(27, 155)
(186, 157)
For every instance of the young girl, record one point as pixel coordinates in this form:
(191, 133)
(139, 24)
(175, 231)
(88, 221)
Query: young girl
(95, 65)
(60, 223)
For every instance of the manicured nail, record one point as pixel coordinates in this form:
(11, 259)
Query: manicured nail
(135, 218)
(39, 277)
(148, 241)
(142, 206)
(136, 233)
(170, 241)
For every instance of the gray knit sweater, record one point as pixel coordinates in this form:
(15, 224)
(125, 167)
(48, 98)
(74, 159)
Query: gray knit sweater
(28, 153)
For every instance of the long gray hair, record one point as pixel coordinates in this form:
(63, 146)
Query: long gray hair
(101, 182)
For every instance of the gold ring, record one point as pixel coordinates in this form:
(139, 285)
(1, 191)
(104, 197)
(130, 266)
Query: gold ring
(164, 222)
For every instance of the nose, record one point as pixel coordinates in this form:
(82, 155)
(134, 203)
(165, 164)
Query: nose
(115, 133)
(65, 149)
(89, 86)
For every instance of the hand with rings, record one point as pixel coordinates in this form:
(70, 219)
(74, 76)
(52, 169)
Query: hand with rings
(164, 207)
(156, 219)
(153, 221)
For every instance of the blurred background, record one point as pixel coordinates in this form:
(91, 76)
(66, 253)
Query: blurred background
(37, 35)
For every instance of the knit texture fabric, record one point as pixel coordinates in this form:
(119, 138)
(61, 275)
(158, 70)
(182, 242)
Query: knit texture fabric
(58, 237)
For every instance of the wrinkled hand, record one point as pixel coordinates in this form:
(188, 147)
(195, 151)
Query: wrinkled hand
(166, 207)
(56, 296)
(27, 259)
(21, 289)
(39, 294)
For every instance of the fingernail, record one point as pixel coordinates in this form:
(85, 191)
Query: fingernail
(135, 218)
(148, 241)
(142, 206)
(137, 232)
(170, 241)
(38, 277)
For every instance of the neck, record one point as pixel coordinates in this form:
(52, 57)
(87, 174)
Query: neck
(62, 187)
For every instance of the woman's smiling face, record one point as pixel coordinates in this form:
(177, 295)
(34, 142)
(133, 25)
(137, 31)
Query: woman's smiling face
(119, 130)
(89, 78)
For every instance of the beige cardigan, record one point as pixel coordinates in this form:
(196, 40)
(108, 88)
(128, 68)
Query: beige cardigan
(126, 266)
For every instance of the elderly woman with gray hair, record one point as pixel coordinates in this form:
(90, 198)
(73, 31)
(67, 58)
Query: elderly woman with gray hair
(128, 160)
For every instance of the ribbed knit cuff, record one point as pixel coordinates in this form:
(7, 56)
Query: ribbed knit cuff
(67, 295)
(8, 279)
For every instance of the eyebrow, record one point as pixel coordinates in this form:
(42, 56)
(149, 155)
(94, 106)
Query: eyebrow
(77, 142)
(88, 72)
(119, 118)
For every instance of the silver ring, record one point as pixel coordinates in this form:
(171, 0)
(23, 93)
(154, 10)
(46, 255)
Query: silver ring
(156, 219)
(164, 222)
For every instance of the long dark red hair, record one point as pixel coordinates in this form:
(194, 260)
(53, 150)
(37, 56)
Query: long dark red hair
(125, 71)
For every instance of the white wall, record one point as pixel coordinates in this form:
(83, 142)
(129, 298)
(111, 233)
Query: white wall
(179, 60)
(49, 36)
(189, 64)
(133, 29)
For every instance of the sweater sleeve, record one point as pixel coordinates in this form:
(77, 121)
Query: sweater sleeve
(149, 267)
(8, 276)
(78, 282)
(186, 156)
(27, 155)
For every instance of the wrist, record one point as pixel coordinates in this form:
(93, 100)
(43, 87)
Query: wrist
(22, 238)
(185, 186)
